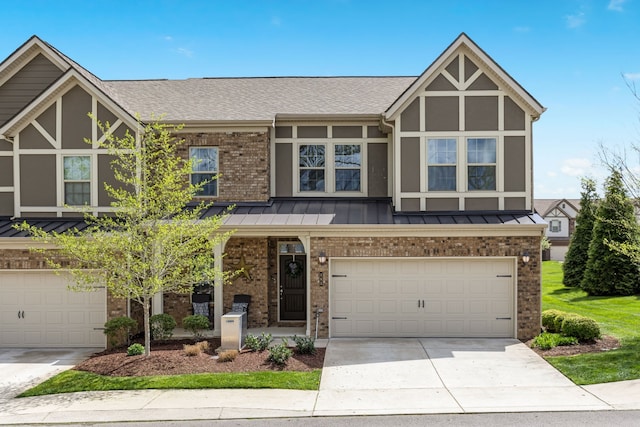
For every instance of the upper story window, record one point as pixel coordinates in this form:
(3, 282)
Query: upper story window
(312, 162)
(555, 225)
(348, 161)
(77, 180)
(481, 164)
(441, 164)
(204, 169)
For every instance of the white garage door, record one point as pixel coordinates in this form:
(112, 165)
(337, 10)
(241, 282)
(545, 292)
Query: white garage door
(37, 310)
(422, 298)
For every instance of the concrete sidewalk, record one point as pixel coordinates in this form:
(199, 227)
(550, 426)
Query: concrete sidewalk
(413, 376)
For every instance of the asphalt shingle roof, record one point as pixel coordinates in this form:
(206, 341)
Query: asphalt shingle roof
(257, 98)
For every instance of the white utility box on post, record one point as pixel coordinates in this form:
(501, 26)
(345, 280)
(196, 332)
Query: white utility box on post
(233, 330)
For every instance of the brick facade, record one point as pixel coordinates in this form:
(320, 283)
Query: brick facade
(243, 162)
(528, 276)
(255, 253)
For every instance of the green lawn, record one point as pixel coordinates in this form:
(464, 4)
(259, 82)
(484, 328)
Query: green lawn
(617, 316)
(73, 381)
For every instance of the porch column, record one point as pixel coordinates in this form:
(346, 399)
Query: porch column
(217, 291)
(306, 241)
(157, 304)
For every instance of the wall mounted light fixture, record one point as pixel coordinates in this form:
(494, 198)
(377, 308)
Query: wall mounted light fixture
(525, 257)
(322, 258)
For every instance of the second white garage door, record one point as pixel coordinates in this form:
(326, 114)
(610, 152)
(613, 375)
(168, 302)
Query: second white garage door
(399, 297)
(37, 310)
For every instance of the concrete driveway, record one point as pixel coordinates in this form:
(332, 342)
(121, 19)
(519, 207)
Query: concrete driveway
(403, 375)
(22, 368)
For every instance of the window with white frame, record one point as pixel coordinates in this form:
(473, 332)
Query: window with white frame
(311, 164)
(441, 164)
(77, 180)
(348, 162)
(555, 225)
(481, 164)
(204, 168)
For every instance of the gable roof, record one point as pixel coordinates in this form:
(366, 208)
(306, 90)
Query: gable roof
(464, 41)
(258, 98)
(544, 206)
(263, 99)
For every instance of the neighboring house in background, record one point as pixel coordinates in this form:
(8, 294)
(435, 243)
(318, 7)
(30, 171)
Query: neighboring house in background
(560, 215)
(416, 190)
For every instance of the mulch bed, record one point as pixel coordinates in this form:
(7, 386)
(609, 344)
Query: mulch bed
(169, 358)
(605, 343)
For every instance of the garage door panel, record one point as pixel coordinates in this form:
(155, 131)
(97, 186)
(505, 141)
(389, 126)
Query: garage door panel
(430, 297)
(53, 315)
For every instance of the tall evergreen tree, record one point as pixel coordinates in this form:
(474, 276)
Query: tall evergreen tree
(576, 258)
(611, 269)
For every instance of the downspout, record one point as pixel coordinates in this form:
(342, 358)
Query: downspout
(393, 160)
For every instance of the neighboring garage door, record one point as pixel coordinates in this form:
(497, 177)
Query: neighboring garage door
(422, 297)
(37, 310)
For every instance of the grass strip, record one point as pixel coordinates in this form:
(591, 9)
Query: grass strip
(73, 381)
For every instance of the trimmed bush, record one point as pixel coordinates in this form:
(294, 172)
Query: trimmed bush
(192, 349)
(162, 326)
(135, 350)
(557, 321)
(304, 344)
(258, 342)
(280, 353)
(549, 320)
(195, 324)
(547, 341)
(119, 329)
(580, 327)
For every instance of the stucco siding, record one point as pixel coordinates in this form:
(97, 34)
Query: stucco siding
(38, 180)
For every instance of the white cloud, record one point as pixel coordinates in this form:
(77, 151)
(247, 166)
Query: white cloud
(616, 5)
(552, 174)
(576, 167)
(631, 76)
(185, 52)
(576, 20)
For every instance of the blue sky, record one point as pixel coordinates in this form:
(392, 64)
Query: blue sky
(569, 54)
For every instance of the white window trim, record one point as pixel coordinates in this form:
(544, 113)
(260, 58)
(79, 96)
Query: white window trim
(214, 173)
(426, 164)
(92, 178)
(329, 168)
(467, 164)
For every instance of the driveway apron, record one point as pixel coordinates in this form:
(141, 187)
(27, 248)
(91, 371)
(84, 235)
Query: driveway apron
(436, 375)
(22, 368)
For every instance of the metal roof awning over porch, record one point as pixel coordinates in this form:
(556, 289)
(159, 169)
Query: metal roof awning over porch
(318, 213)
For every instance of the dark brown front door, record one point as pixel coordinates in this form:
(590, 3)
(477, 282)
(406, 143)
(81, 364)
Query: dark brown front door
(293, 287)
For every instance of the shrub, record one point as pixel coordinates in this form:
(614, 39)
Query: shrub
(192, 349)
(162, 326)
(580, 327)
(204, 345)
(135, 350)
(557, 321)
(548, 340)
(280, 353)
(549, 319)
(119, 329)
(196, 323)
(304, 344)
(258, 342)
(227, 356)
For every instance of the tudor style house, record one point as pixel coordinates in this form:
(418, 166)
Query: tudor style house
(364, 206)
(560, 214)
